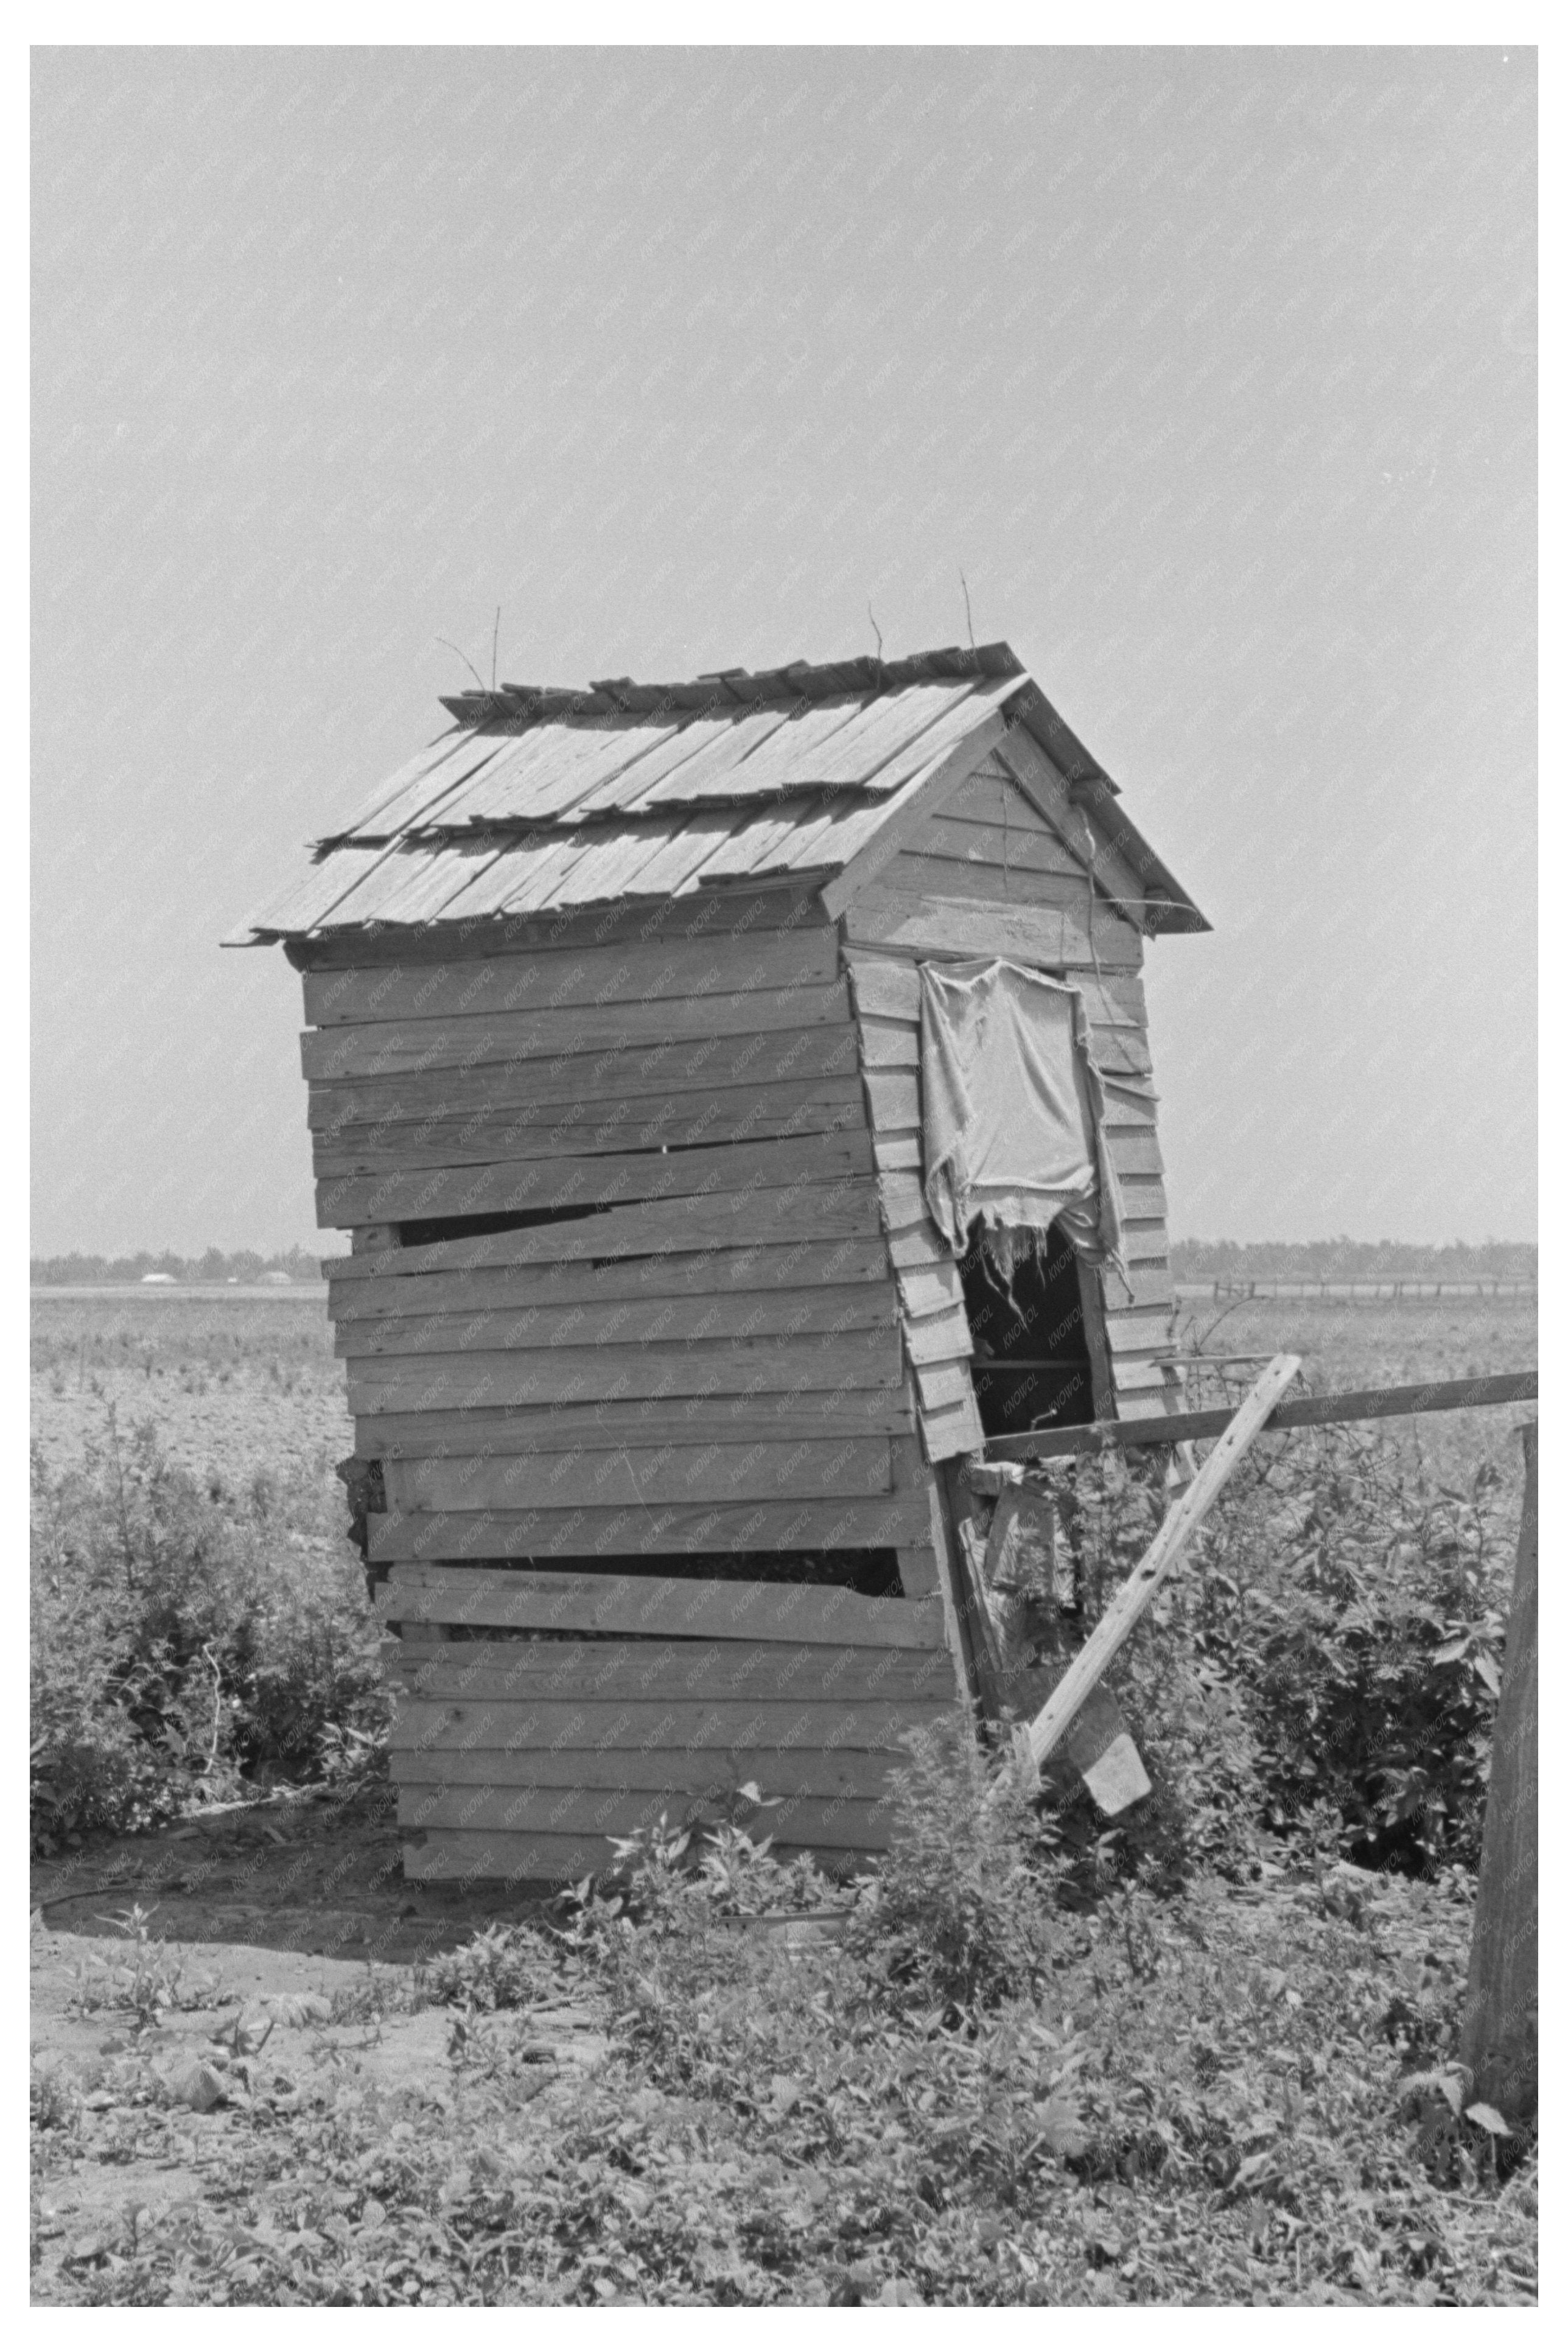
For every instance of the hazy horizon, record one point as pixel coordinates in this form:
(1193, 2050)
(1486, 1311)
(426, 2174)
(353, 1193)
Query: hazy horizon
(1213, 369)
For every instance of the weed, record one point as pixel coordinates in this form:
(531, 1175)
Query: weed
(185, 1638)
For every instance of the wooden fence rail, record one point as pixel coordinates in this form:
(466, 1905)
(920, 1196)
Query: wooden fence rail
(1301, 1412)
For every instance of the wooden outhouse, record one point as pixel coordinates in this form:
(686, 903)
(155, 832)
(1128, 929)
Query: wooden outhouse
(660, 1364)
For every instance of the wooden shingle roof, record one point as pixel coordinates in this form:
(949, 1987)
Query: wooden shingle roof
(539, 799)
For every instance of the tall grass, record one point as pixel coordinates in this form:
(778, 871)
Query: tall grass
(189, 1638)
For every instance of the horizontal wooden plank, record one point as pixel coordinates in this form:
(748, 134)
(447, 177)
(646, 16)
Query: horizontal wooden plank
(800, 1819)
(919, 1244)
(1048, 937)
(705, 1775)
(1142, 1203)
(903, 1203)
(512, 1186)
(989, 796)
(1127, 1107)
(638, 1123)
(923, 874)
(375, 1049)
(634, 973)
(889, 1044)
(650, 1603)
(792, 1210)
(784, 905)
(1127, 1332)
(1023, 758)
(1134, 1152)
(442, 1384)
(475, 1858)
(920, 1574)
(600, 1480)
(951, 1429)
(685, 1671)
(893, 1151)
(524, 1727)
(581, 1081)
(645, 1421)
(1148, 1283)
(893, 1097)
(678, 1274)
(1118, 1051)
(1001, 850)
(724, 1314)
(930, 1289)
(936, 1338)
(943, 1384)
(649, 1532)
(884, 987)
(502, 1858)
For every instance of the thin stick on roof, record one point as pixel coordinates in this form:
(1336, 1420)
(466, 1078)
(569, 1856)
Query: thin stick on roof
(463, 658)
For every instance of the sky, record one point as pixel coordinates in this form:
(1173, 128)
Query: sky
(1211, 370)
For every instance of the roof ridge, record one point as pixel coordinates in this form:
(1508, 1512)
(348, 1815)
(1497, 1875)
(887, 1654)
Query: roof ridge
(728, 689)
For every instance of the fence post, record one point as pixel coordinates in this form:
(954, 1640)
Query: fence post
(1499, 2040)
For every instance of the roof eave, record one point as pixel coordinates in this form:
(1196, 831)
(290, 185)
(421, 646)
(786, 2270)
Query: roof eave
(1168, 906)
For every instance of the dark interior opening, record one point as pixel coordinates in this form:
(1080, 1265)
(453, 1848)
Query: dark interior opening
(413, 1231)
(1031, 1366)
(874, 1573)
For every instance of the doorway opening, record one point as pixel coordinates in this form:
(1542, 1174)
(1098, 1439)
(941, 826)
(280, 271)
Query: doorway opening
(1032, 1367)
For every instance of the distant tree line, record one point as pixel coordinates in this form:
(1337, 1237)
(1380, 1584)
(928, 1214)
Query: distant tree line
(213, 1265)
(1348, 1261)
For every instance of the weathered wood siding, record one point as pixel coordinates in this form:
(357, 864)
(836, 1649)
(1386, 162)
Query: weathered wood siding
(1002, 866)
(713, 1360)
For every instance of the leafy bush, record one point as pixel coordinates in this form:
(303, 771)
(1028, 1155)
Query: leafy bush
(1359, 1614)
(187, 1639)
(1332, 1649)
(959, 1916)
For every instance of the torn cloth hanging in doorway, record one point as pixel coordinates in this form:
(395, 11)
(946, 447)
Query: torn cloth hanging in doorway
(1014, 1112)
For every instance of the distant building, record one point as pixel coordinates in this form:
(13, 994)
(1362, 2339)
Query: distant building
(157, 1277)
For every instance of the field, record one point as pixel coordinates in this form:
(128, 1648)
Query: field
(1209, 2060)
(251, 1380)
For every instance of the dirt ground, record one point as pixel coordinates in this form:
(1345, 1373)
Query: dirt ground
(288, 1924)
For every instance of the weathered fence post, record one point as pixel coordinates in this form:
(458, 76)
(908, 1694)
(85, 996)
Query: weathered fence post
(1499, 2040)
